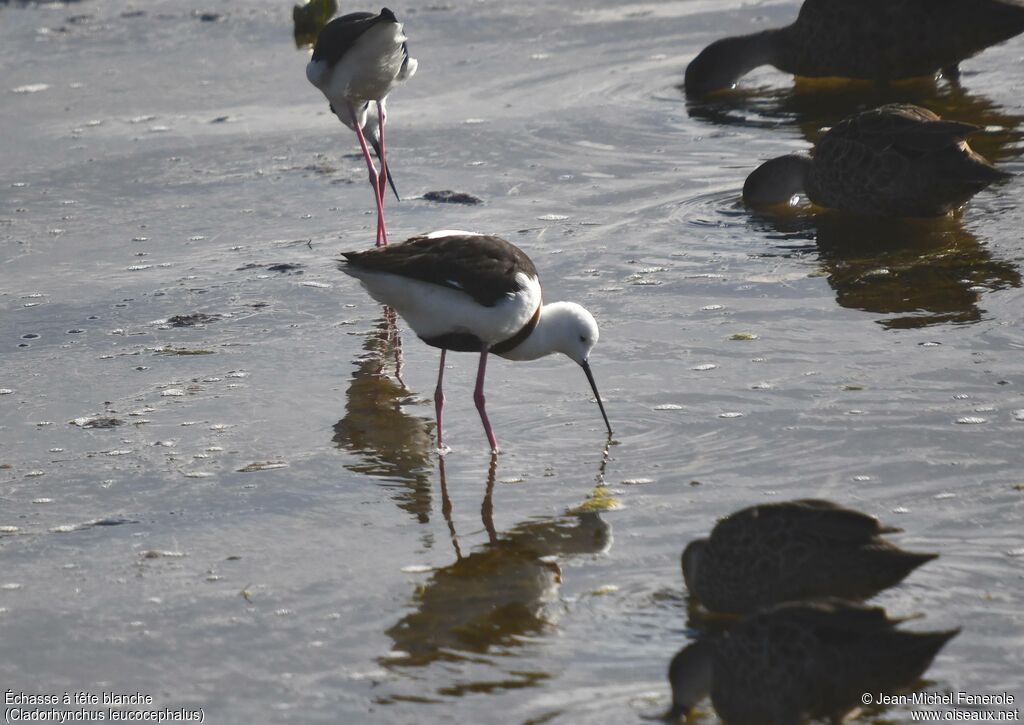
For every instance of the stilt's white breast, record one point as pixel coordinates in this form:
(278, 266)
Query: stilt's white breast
(433, 310)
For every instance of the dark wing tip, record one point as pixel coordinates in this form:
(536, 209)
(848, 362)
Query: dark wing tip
(349, 258)
(964, 129)
(388, 15)
(996, 174)
(949, 634)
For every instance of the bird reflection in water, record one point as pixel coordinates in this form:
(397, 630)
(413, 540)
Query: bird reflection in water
(495, 599)
(389, 443)
(813, 105)
(921, 271)
(801, 660)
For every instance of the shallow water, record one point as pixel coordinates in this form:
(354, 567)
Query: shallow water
(268, 529)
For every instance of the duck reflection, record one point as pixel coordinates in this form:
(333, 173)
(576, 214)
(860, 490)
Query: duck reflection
(815, 105)
(391, 445)
(921, 271)
(801, 660)
(497, 596)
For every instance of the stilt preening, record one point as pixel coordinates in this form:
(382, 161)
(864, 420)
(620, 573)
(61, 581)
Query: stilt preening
(478, 293)
(358, 59)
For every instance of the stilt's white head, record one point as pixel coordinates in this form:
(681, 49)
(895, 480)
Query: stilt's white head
(570, 329)
(573, 329)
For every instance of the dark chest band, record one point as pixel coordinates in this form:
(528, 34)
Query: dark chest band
(468, 342)
(518, 338)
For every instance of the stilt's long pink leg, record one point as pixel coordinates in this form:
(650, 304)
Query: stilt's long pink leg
(382, 233)
(382, 182)
(478, 398)
(439, 399)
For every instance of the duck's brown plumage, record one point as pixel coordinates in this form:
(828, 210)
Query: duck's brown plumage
(792, 550)
(898, 160)
(875, 40)
(804, 660)
(883, 40)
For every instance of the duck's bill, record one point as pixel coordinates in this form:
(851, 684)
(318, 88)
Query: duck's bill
(383, 166)
(593, 386)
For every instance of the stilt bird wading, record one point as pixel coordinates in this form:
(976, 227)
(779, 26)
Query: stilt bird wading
(472, 292)
(358, 59)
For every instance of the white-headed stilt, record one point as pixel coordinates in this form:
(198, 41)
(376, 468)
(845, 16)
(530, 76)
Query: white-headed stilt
(473, 292)
(358, 59)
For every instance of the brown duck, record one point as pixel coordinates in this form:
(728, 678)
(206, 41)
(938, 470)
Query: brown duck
(801, 660)
(874, 40)
(894, 161)
(791, 550)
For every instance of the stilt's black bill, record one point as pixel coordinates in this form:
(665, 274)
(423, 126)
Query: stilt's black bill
(593, 386)
(391, 180)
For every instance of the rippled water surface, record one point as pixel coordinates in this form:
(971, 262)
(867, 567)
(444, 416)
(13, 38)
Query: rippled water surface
(217, 487)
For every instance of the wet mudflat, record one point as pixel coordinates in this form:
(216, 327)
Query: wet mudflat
(216, 490)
